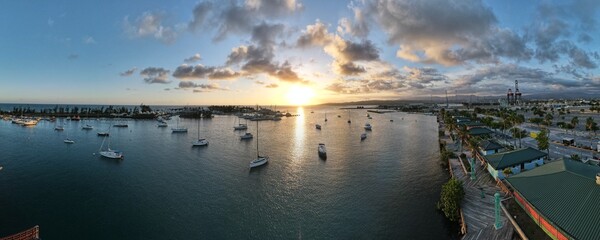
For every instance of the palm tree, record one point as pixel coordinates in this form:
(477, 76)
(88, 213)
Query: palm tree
(463, 134)
(591, 126)
(574, 122)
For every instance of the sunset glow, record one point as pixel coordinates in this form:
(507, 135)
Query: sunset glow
(299, 95)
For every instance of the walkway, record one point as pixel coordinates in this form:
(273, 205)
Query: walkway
(479, 212)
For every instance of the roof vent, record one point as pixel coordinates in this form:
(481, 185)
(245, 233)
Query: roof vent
(598, 178)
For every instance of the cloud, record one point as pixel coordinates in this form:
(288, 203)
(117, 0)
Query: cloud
(446, 32)
(314, 35)
(346, 52)
(149, 24)
(259, 82)
(272, 85)
(200, 71)
(73, 56)
(238, 19)
(89, 40)
(265, 34)
(424, 75)
(128, 73)
(193, 59)
(200, 13)
(358, 28)
(155, 75)
(201, 87)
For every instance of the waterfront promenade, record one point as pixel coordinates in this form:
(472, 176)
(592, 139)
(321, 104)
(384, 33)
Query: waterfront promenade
(478, 203)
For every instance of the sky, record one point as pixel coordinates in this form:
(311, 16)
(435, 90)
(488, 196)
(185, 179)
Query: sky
(288, 52)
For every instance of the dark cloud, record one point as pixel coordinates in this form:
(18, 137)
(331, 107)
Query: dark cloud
(193, 59)
(200, 71)
(149, 24)
(272, 85)
(200, 13)
(265, 34)
(128, 72)
(155, 75)
(349, 68)
(274, 8)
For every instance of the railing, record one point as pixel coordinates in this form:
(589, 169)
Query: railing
(29, 234)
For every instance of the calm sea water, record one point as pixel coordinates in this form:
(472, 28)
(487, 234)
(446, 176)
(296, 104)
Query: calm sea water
(382, 188)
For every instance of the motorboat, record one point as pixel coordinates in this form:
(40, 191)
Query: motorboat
(363, 136)
(246, 136)
(29, 122)
(322, 150)
(318, 126)
(87, 127)
(59, 128)
(162, 124)
(103, 134)
(69, 141)
(368, 126)
(240, 126)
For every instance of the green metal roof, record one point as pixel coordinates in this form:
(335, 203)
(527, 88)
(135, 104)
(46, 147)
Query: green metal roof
(479, 131)
(566, 193)
(471, 124)
(490, 145)
(515, 157)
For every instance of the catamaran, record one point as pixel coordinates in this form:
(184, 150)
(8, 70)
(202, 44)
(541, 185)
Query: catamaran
(260, 160)
(179, 129)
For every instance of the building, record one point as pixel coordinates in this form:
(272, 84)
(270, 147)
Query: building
(481, 132)
(516, 160)
(562, 198)
(488, 147)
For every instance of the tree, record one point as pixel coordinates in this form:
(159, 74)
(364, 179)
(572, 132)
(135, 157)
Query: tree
(543, 142)
(575, 157)
(548, 119)
(574, 122)
(591, 126)
(536, 121)
(450, 197)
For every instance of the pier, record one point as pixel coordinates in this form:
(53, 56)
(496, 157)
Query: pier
(29, 234)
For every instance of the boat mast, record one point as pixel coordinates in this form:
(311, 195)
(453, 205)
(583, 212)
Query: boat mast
(257, 154)
(198, 128)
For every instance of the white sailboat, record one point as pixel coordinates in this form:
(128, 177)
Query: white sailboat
(110, 153)
(87, 127)
(241, 126)
(179, 129)
(260, 160)
(68, 140)
(200, 141)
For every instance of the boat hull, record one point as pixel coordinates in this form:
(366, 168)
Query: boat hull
(259, 162)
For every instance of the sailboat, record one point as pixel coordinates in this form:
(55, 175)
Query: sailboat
(178, 129)
(241, 126)
(200, 141)
(349, 117)
(325, 117)
(363, 136)
(87, 127)
(110, 153)
(121, 123)
(68, 140)
(260, 160)
(368, 126)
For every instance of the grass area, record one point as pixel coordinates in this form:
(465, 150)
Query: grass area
(531, 230)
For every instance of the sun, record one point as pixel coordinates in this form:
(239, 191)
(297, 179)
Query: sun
(299, 95)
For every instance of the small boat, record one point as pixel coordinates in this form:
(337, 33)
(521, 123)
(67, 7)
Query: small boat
(162, 124)
(200, 141)
(318, 126)
(276, 118)
(349, 117)
(312, 111)
(246, 136)
(29, 122)
(121, 125)
(368, 126)
(322, 151)
(363, 136)
(260, 160)
(1, 167)
(59, 128)
(325, 117)
(178, 129)
(69, 141)
(240, 126)
(110, 153)
(369, 117)
(75, 118)
(87, 127)
(339, 116)
(103, 134)
(391, 120)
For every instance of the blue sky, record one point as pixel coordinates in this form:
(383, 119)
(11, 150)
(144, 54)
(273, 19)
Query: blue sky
(292, 51)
